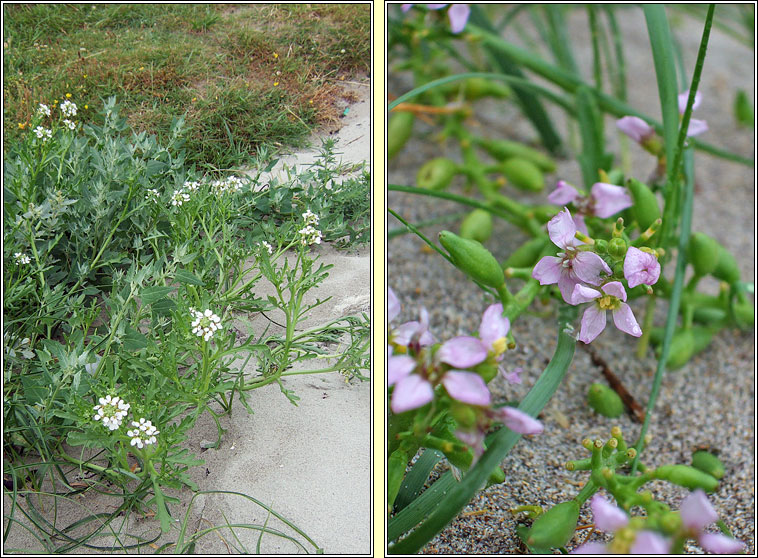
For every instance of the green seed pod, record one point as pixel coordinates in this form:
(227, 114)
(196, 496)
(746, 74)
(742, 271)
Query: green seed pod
(605, 401)
(523, 174)
(464, 415)
(477, 88)
(477, 225)
(496, 477)
(505, 149)
(708, 463)
(743, 109)
(474, 259)
(555, 527)
(399, 128)
(686, 476)
(670, 522)
(486, 371)
(682, 349)
(645, 209)
(744, 312)
(709, 316)
(726, 269)
(701, 338)
(436, 174)
(615, 176)
(703, 253)
(617, 248)
(526, 255)
(396, 465)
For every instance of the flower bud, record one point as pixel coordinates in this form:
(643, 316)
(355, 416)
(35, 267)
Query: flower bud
(617, 248)
(605, 401)
(686, 476)
(703, 253)
(505, 149)
(477, 225)
(476, 88)
(601, 246)
(523, 174)
(526, 255)
(436, 174)
(708, 463)
(399, 128)
(556, 527)
(474, 259)
(645, 209)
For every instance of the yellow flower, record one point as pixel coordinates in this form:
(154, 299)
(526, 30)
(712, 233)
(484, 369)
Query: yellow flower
(86, 106)
(68, 95)
(84, 76)
(276, 55)
(141, 68)
(55, 101)
(276, 83)
(194, 99)
(21, 125)
(310, 102)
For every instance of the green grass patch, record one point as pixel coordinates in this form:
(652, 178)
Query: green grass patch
(246, 76)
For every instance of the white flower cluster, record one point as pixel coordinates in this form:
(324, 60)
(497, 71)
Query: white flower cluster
(43, 110)
(191, 185)
(22, 258)
(179, 197)
(68, 108)
(310, 218)
(144, 433)
(111, 411)
(229, 184)
(267, 246)
(152, 194)
(310, 235)
(43, 133)
(69, 124)
(205, 323)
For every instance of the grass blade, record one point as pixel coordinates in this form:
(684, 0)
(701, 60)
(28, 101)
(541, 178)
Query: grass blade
(415, 478)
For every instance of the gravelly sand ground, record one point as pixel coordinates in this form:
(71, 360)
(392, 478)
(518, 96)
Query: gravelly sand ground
(711, 401)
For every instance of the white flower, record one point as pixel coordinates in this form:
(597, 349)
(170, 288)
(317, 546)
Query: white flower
(68, 108)
(22, 258)
(70, 125)
(179, 197)
(43, 133)
(267, 246)
(205, 323)
(229, 184)
(310, 218)
(152, 194)
(309, 235)
(143, 433)
(112, 411)
(43, 110)
(191, 186)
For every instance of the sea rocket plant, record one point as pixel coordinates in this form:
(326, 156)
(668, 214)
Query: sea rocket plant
(613, 298)
(641, 267)
(603, 201)
(458, 14)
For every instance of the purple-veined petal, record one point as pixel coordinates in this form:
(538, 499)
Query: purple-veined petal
(466, 387)
(635, 128)
(607, 516)
(682, 99)
(590, 268)
(591, 548)
(562, 229)
(398, 367)
(494, 325)
(615, 288)
(458, 15)
(563, 194)
(583, 293)
(719, 544)
(393, 305)
(593, 324)
(411, 392)
(648, 542)
(696, 511)
(625, 320)
(609, 199)
(641, 267)
(548, 270)
(567, 283)
(520, 422)
(462, 352)
(513, 376)
(696, 127)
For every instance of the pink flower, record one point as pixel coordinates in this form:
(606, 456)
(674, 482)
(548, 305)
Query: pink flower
(493, 329)
(697, 513)
(458, 14)
(462, 352)
(609, 199)
(568, 269)
(635, 128)
(514, 376)
(696, 126)
(415, 332)
(563, 194)
(613, 297)
(591, 548)
(517, 420)
(649, 542)
(393, 305)
(641, 267)
(607, 516)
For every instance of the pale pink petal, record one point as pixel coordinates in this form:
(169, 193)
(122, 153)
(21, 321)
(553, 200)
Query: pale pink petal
(697, 127)
(562, 229)
(648, 542)
(458, 15)
(590, 268)
(607, 516)
(513, 377)
(696, 511)
(635, 128)
(403, 333)
(609, 199)
(641, 268)
(393, 305)
(593, 324)
(581, 226)
(436, 6)
(563, 194)
(406, 7)
(615, 288)
(548, 270)
(582, 293)
(567, 283)
(494, 325)
(411, 392)
(462, 352)
(682, 98)
(625, 320)
(473, 439)
(591, 548)
(466, 387)
(398, 367)
(520, 422)
(719, 544)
